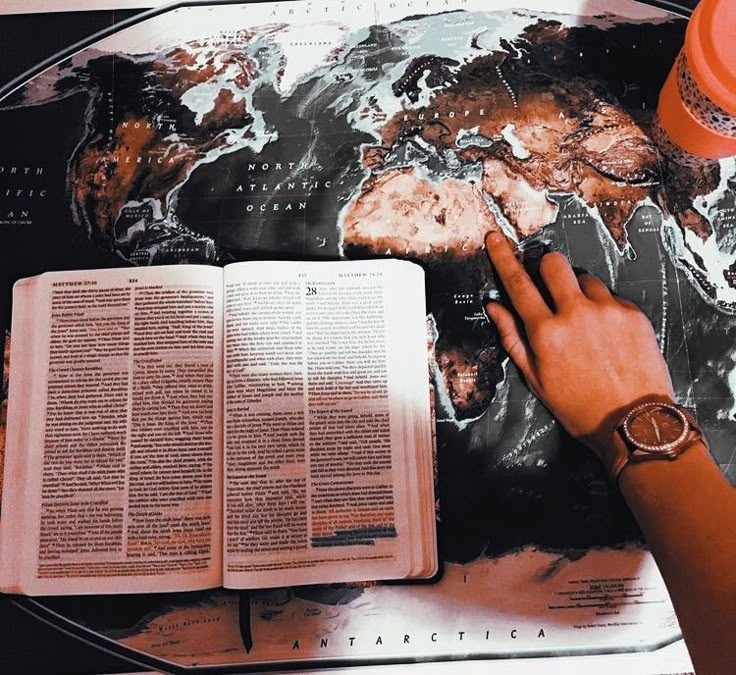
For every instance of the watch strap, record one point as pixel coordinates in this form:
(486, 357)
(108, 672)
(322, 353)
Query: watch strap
(623, 452)
(620, 457)
(607, 443)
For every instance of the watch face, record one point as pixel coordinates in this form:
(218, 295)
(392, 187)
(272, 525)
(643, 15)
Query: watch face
(656, 427)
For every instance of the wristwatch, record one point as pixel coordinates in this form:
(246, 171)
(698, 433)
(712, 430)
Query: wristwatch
(653, 430)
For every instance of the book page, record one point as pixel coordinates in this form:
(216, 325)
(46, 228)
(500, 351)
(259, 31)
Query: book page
(13, 524)
(315, 398)
(120, 458)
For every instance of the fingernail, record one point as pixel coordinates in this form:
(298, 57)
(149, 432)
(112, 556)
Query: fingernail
(495, 235)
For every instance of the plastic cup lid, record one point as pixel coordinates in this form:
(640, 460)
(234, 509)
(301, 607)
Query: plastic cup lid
(710, 46)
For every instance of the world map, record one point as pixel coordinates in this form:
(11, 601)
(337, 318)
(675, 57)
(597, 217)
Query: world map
(408, 137)
(221, 132)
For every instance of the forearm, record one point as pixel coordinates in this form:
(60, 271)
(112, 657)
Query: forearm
(687, 511)
(583, 334)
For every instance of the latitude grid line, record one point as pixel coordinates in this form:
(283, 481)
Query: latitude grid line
(685, 341)
(312, 117)
(220, 219)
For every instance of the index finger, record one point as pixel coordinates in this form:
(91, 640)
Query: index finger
(524, 295)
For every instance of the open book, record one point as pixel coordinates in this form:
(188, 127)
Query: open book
(184, 427)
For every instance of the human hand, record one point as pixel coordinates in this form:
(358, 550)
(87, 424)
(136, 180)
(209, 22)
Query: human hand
(589, 357)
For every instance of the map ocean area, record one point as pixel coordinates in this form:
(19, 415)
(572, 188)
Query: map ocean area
(180, 428)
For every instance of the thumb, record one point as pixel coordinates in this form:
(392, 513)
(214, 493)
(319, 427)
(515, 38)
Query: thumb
(512, 340)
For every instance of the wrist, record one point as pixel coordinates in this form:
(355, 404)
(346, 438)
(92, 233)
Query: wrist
(652, 477)
(681, 491)
(607, 443)
(655, 432)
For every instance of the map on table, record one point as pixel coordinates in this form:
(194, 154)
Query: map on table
(214, 132)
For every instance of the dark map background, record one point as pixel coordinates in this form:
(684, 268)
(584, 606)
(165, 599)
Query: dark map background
(509, 477)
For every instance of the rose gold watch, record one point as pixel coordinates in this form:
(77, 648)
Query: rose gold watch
(653, 430)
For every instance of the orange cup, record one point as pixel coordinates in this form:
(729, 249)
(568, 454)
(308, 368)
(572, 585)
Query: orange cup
(697, 105)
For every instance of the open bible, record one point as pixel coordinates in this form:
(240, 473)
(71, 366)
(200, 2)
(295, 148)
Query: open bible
(185, 427)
